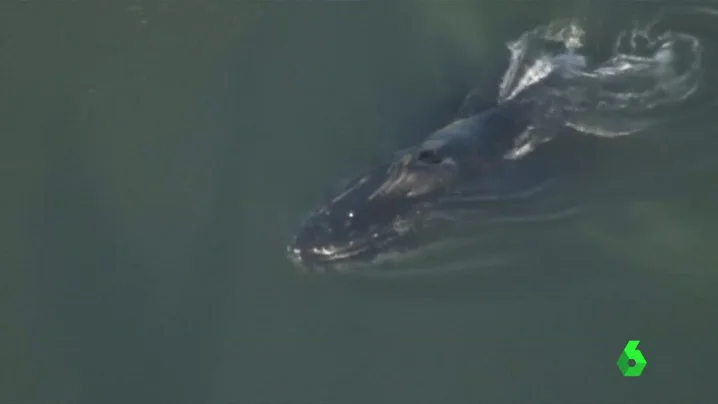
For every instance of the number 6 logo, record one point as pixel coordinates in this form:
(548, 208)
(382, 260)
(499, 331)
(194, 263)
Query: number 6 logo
(631, 353)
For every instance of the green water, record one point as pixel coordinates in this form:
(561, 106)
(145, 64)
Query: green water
(157, 157)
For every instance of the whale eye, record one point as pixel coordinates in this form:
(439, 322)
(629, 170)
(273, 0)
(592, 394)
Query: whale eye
(429, 156)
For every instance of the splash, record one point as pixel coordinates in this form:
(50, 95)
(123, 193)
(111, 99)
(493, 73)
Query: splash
(647, 73)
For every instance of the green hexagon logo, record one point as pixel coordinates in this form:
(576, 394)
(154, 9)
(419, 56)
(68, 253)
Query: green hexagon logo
(631, 353)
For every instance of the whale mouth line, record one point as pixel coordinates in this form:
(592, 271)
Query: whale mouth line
(334, 257)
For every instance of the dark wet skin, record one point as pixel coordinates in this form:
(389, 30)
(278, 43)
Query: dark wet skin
(403, 205)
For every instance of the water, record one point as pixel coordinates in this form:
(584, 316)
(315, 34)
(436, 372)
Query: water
(160, 155)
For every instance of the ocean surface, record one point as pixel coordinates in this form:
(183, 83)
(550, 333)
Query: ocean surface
(157, 156)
